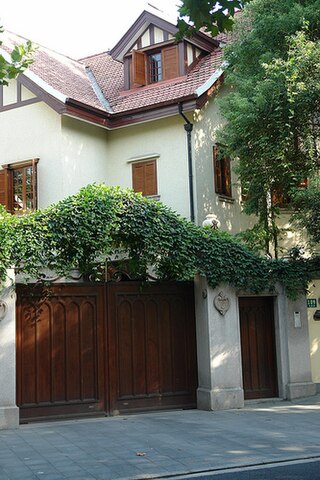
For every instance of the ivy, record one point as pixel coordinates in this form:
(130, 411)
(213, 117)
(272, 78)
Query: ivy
(101, 223)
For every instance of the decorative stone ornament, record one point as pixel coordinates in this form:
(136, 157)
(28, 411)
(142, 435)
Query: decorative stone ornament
(3, 309)
(221, 303)
(211, 221)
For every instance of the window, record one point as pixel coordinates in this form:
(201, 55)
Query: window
(153, 66)
(222, 173)
(144, 177)
(18, 186)
(283, 200)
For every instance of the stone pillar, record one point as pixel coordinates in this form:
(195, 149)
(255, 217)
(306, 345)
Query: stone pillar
(9, 412)
(218, 347)
(293, 341)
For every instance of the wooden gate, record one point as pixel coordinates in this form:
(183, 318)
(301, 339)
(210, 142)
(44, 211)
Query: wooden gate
(152, 346)
(60, 351)
(105, 348)
(259, 368)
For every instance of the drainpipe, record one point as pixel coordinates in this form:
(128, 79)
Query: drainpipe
(188, 126)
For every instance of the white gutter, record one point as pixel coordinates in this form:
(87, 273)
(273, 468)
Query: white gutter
(37, 80)
(45, 86)
(211, 81)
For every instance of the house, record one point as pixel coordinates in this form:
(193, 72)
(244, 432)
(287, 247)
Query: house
(144, 115)
(120, 117)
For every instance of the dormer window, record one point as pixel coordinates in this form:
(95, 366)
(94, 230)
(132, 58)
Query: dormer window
(150, 53)
(152, 66)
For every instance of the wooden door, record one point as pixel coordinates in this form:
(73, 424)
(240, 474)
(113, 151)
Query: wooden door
(152, 346)
(258, 351)
(60, 351)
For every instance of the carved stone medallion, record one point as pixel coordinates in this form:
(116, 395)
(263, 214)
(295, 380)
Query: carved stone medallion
(3, 309)
(221, 303)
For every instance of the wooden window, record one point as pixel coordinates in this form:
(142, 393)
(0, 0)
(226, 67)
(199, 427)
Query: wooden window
(18, 186)
(154, 66)
(144, 177)
(283, 200)
(222, 173)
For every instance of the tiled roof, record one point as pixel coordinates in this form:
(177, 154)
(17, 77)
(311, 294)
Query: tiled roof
(70, 78)
(61, 73)
(109, 74)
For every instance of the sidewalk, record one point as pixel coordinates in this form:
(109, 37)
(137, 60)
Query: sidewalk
(157, 445)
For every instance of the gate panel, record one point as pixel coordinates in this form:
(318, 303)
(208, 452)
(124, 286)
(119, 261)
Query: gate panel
(60, 351)
(258, 353)
(152, 352)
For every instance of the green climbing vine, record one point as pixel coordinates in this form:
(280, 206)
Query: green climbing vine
(101, 223)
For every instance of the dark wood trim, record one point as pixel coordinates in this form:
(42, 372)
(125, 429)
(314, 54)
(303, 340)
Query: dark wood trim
(181, 53)
(19, 98)
(202, 41)
(82, 114)
(151, 33)
(129, 38)
(23, 103)
(151, 48)
(41, 95)
(1, 96)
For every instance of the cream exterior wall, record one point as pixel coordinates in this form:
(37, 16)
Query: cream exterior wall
(206, 122)
(72, 153)
(165, 138)
(314, 332)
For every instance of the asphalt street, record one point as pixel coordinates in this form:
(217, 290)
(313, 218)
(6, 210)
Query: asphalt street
(299, 470)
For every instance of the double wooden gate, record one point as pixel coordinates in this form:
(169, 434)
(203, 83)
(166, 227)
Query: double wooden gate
(105, 348)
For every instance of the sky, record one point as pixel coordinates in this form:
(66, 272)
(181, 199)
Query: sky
(76, 28)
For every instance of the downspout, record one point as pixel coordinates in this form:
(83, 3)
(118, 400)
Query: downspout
(188, 126)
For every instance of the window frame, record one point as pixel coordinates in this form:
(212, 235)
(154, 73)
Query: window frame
(10, 170)
(144, 164)
(140, 67)
(222, 174)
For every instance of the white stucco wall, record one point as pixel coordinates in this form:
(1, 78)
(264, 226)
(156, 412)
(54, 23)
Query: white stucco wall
(165, 138)
(206, 122)
(72, 153)
(314, 331)
(84, 155)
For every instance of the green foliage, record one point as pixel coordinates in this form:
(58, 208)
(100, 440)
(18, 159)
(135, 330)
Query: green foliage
(273, 110)
(214, 16)
(18, 60)
(101, 223)
(307, 211)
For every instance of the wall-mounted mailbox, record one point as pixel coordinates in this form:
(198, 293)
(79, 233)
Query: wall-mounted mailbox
(297, 319)
(316, 315)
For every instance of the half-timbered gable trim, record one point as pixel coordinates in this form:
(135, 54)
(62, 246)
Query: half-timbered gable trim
(15, 96)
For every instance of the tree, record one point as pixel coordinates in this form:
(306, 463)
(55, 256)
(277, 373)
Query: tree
(15, 62)
(214, 16)
(273, 110)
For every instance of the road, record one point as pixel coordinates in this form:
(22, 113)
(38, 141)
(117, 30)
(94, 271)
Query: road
(296, 470)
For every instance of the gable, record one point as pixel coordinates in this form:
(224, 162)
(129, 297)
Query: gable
(15, 95)
(147, 30)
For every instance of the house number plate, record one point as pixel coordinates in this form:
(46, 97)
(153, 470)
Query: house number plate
(311, 302)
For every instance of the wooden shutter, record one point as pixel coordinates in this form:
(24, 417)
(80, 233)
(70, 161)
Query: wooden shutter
(222, 173)
(217, 171)
(150, 176)
(227, 176)
(138, 177)
(144, 177)
(170, 62)
(138, 68)
(4, 188)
